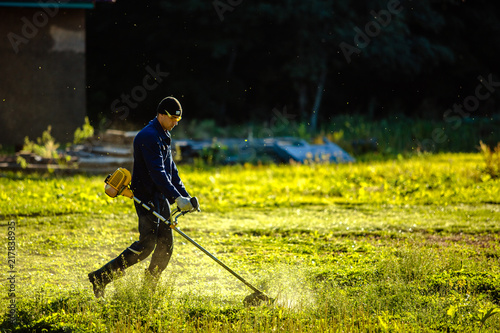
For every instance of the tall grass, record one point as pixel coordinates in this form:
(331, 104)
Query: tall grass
(403, 291)
(491, 159)
(407, 245)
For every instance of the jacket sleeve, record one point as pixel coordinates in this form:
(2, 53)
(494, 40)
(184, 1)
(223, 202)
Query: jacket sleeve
(153, 158)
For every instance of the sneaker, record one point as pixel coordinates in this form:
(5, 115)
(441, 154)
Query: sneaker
(150, 280)
(96, 286)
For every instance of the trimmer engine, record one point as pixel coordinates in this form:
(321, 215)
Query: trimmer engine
(117, 183)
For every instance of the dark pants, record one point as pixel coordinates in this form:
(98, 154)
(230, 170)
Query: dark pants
(154, 237)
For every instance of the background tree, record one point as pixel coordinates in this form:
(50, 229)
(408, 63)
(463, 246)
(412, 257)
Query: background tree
(238, 66)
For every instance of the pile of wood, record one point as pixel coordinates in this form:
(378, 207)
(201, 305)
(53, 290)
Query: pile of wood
(99, 154)
(106, 152)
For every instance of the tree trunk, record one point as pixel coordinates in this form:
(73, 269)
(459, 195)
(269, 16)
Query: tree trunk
(229, 71)
(317, 101)
(303, 100)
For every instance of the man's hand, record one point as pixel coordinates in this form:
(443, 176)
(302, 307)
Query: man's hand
(184, 204)
(195, 203)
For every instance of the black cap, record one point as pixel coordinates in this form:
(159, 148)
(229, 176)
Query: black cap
(170, 105)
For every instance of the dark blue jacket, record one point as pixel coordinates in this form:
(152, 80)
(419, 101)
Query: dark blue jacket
(155, 172)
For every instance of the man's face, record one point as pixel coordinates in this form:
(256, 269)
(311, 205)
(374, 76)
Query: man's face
(167, 122)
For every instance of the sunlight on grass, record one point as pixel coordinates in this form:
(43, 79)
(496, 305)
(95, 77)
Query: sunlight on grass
(400, 246)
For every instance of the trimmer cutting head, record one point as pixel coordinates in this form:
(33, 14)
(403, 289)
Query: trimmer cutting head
(117, 183)
(257, 298)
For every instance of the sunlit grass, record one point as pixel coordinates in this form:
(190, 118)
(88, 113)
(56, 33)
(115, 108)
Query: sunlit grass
(402, 246)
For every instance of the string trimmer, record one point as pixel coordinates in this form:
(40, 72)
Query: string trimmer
(118, 183)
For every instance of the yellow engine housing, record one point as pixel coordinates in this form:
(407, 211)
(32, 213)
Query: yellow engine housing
(118, 183)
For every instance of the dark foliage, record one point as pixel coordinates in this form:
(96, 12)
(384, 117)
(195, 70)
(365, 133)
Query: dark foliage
(234, 61)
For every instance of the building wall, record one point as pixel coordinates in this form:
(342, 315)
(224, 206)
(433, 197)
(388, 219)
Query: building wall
(42, 73)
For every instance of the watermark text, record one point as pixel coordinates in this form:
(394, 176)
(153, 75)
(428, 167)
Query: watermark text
(11, 273)
(225, 6)
(372, 29)
(31, 27)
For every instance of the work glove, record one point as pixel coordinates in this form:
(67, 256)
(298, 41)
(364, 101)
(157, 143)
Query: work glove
(196, 204)
(184, 203)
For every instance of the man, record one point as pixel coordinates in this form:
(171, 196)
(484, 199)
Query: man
(156, 181)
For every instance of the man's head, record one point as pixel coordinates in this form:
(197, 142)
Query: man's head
(169, 112)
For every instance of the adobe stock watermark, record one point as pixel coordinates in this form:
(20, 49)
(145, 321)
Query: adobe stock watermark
(280, 120)
(371, 30)
(121, 107)
(225, 6)
(11, 272)
(455, 115)
(30, 28)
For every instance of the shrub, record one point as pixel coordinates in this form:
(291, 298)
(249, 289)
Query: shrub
(45, 147)
(492, 159)
(82, 134)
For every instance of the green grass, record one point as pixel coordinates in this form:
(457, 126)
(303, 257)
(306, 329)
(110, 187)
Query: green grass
(410, 245)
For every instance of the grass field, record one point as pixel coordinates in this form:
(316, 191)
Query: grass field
(410, 245)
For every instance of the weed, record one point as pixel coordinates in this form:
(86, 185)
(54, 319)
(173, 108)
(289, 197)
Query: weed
(45, 148)
(491, 159)
(82, 134)
(484, 314)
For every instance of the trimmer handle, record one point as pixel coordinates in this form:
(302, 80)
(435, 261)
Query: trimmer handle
(195, 203)
(177, 212)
